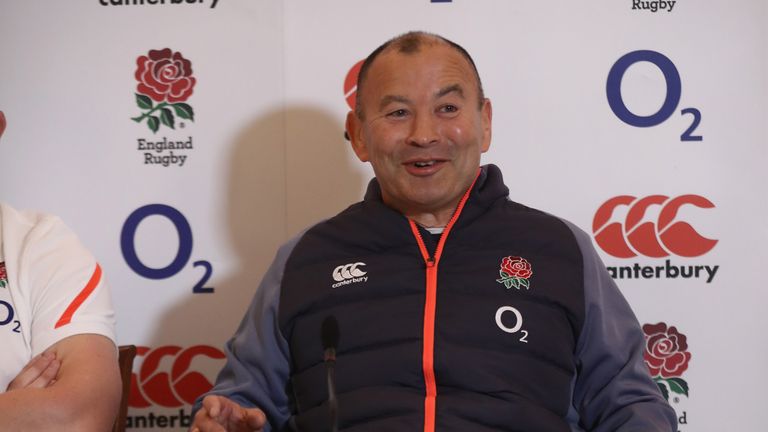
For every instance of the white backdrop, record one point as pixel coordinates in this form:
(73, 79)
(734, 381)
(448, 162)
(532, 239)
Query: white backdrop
(268, 158)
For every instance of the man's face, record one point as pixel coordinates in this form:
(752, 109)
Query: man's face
(423, 129)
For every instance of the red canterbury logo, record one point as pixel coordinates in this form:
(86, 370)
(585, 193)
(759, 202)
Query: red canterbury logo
(350, 84)
(173, 390)
(638, 236)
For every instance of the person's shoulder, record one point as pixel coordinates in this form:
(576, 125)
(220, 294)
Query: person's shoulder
(352, 214)
(517, 209)
(493, 190)
(28, 221)
(41, 237)
(360, 229)
(544, 224)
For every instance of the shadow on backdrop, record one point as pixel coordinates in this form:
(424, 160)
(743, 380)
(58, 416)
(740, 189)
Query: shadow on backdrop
(287, 170)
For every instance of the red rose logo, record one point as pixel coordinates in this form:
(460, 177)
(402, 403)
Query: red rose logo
(3, 276)
(165, 77)
(667, 357)
(515, 272)
(516, 266)
(665, 350)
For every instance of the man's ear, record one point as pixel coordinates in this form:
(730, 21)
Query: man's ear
(355, 132)
(486, 113)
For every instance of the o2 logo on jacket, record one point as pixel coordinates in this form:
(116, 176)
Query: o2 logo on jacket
(171, 390)
(671, 100)
(502, 322)
(183, 253)
(637, 236)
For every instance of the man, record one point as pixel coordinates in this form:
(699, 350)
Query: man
(458, 309)
(58, 364)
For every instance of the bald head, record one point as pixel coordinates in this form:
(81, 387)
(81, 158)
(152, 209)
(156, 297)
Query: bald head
(411, 43)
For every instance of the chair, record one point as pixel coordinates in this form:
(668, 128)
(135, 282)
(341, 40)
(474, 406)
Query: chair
(126, 354)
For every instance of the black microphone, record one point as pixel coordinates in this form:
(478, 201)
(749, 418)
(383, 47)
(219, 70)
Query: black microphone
(329, 334)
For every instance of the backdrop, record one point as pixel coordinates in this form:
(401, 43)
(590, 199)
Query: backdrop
(643, 122)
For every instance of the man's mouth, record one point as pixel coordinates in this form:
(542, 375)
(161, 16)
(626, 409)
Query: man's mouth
(424, 167)
(423, 164)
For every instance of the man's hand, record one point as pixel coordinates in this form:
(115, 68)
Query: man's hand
(220, 414)
(40, 372)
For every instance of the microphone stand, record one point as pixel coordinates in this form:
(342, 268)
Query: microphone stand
(333, 405)
(329, 333)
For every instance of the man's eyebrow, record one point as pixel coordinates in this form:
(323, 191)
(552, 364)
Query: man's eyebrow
(455, 88)
(388, 99)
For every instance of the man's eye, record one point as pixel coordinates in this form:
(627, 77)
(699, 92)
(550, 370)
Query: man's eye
(398, 113)
(449, 108)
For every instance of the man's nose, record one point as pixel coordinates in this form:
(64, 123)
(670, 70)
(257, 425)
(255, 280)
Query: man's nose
(424, 131)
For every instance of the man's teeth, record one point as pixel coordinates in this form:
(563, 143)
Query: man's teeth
(424, 164)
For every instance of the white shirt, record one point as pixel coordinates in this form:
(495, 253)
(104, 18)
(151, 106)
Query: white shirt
(51, 287)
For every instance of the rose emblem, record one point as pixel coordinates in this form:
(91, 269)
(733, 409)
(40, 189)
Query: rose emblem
(667, 357)
(164, 77)
(515, 272)
(3, 276)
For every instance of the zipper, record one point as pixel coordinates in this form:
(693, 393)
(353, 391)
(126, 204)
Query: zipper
(430, 305)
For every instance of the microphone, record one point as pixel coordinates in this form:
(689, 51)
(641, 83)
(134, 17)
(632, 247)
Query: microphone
(329, 334)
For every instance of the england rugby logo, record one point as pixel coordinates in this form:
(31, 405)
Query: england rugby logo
(515, 272)
(165, 82)
(667, 357)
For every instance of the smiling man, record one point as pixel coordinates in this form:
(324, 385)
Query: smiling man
(422, 122)
(464, 311)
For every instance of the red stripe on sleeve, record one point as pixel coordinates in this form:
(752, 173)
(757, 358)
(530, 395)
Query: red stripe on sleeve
(66, 317)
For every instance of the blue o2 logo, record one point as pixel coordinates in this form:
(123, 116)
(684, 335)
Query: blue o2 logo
(183, 253)
(7, 317)
(671, 100)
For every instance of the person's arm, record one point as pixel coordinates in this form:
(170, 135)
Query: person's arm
(613, 390)
(82, 396)
(40, 372)
(66, 314)
(251, 386)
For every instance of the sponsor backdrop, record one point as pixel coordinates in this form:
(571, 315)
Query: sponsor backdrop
(184, 140)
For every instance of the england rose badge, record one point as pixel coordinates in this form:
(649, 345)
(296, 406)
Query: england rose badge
(515, 272)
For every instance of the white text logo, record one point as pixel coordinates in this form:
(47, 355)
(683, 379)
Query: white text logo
(349, 273)
(518, 322)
